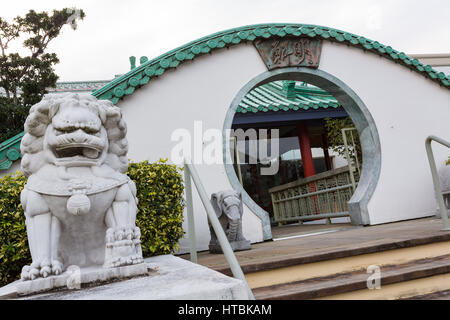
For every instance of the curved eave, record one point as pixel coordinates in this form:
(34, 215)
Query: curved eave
(141, 75)
(291, 107)
(10, 151)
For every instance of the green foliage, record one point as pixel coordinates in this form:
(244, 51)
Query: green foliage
(160, 215)
(335, 140)
(14, 253)
(24, 78)
(160, 209)
(12, 118)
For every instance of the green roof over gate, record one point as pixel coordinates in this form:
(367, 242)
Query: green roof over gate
(286, 96)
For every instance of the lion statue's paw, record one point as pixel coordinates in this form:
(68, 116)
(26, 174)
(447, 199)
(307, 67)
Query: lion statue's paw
(41, 269)
(57, 267)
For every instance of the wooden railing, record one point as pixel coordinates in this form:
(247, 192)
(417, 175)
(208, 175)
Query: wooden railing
(324, 195)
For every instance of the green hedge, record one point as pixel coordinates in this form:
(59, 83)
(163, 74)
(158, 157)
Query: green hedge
(14, 253)
(160, 215)
(160, 208)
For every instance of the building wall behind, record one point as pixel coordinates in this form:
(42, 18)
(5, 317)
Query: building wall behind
(405, 106)
(199, 90)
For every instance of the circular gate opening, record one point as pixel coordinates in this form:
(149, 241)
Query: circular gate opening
(296, 152)
(302, 147)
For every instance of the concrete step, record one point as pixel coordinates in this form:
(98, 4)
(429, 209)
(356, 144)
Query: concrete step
(328, 267)
(334, 265)
(273, 255)
(422, 276)
(438, 295)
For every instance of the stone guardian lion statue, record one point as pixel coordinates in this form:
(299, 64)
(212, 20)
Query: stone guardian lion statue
(79, 204)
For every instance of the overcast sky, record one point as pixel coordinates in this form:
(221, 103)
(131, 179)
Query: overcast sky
(113, 30)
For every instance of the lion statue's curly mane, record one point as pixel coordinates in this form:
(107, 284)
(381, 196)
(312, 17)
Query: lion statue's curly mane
(80, 207)
(40, 119)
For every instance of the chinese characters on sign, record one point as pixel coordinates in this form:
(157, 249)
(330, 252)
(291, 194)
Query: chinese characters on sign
(289, 52)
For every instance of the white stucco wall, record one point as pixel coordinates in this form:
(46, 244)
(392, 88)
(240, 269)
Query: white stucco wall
(199, 90)
(406, 107)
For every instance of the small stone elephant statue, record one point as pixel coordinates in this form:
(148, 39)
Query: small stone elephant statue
(229, 209)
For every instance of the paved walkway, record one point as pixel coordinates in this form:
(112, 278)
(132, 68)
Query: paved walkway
(290, 230)
(332, 245)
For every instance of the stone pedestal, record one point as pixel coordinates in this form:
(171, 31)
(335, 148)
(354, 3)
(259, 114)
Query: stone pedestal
(73, 278)
(79, 278)
(165, 278)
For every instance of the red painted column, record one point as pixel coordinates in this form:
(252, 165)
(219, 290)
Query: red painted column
(307, 159)
(305, 150)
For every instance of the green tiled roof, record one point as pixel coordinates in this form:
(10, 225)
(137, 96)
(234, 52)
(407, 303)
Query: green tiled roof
(78, 86)
(280, 96)
(141, 75)
(149, 69)
(10, 151)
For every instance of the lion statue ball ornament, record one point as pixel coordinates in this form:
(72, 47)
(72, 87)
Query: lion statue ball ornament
(80, 206)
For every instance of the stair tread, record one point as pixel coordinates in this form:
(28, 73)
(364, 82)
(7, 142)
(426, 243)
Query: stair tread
(438, 295)
(276, 261)
(356, 280)
(351, 242)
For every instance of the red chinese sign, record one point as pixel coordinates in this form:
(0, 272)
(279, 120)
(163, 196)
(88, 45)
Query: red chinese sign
(289, 52)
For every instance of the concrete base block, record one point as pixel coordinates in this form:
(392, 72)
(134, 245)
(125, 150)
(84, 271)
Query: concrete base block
(235, 245)
(166, 278)
(75, 278)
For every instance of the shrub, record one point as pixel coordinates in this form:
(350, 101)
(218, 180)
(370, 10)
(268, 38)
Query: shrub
(333, 128)
(160, 208)
(160, 215)
(14, 253)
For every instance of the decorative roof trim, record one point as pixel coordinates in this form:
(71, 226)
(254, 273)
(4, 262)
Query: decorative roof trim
(141, 75)
(272, 96)
(78, 86)
(10, 151)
